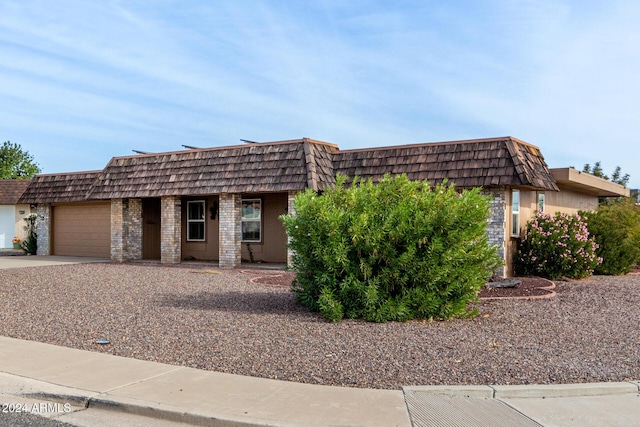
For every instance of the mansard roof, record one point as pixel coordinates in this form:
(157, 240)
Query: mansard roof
(294, 165)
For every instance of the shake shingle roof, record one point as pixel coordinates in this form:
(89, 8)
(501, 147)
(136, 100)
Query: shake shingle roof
(11, 190)
(269, 167)
(296, 165)
(62, 187)
(471, 163)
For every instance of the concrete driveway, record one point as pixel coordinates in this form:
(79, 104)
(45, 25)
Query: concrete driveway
(39, 261)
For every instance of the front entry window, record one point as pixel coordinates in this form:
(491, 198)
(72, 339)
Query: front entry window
(515, 213)
(251, 220)
(195, 220)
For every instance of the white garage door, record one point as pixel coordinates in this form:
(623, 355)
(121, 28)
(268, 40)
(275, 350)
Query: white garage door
(7, 225)
(82, 230)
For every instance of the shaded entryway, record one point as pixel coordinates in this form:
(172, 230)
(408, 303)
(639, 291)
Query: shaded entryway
(151, 228)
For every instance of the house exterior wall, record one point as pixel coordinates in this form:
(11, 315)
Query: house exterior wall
(230, 230)
(528, 206)
(44, 229)
(569, 201)
(273, 247)
(291, 208)
(496, 230)
(117, 230)
(170, 244)
(133, 237)
(12, 223)
(209, 249)
(22, 211)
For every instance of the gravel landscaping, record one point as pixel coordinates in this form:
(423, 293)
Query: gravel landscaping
(248, 323)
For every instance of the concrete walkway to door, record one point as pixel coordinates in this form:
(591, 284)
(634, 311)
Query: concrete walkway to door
(39, 261)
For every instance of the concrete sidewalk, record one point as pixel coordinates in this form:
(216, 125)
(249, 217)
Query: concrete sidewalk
(8, 261)
(43, 372)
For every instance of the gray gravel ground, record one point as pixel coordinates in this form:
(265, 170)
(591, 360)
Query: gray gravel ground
(190, 316)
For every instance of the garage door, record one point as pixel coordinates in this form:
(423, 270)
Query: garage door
(82, 230)
(7, 225)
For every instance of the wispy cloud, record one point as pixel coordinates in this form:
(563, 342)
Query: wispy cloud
(97, 79)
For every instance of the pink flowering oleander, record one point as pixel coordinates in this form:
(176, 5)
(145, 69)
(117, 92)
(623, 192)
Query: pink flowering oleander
(556, 246)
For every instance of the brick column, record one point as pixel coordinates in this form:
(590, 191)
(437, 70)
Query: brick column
(43, 232)
(292, 210)
(171, 230)
(133, 237)
(117, 230)
(496, 227)
(126, 229)
(230, 224)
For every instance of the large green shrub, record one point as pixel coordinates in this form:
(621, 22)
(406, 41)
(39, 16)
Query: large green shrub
(616, 228)
(396, 250)
(556, 246)
(30, 244)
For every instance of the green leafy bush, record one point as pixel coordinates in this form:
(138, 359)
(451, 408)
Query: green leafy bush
(556, 246)
(616, 228)
(396, 250)
(30, 244)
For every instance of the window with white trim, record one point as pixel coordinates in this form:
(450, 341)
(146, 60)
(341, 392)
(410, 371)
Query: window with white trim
(196, 221)
(251, 220)
(515, 213)
(540, 202)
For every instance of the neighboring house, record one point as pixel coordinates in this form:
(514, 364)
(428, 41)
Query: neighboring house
(12, 213)
(222, 204)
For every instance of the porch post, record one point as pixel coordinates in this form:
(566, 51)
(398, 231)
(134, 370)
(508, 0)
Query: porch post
(171, 230)
(230, 224)
(133, 238)
(43, 232)
(292, 210)
(117, 230)
(496, 228)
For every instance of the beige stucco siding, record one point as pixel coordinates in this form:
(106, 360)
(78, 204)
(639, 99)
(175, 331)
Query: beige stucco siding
(570, 202)
(208, 249)
(12, 223)
(273, 247)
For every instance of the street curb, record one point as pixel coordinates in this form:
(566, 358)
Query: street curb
(532, 390)
(158, 412)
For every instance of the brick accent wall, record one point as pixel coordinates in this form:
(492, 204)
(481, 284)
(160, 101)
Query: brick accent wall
(230, 230)
(133, 227)
(171, 230)
(117, 230)
(496, 226)
(126, 229)
(292, 210)
(44, 229)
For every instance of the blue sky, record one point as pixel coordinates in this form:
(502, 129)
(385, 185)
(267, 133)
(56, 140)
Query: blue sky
(84, 81)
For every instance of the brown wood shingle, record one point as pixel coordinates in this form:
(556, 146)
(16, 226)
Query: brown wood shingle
(296, 165)
(270, 167)
(472, 163)
(11, 190)
(63, 187)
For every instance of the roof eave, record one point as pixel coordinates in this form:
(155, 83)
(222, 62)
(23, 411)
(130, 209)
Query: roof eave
(586, 183)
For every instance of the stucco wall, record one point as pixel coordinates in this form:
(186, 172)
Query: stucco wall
(570, 202)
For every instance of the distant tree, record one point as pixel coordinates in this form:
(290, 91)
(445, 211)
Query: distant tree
(616, 176)
(16, 163)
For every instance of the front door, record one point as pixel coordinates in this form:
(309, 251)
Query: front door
(151, 232)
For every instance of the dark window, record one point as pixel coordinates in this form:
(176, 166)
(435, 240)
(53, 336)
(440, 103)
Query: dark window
(195, 220)
(251, 220)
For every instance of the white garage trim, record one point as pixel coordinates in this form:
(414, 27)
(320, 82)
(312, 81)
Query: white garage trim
(7, 225)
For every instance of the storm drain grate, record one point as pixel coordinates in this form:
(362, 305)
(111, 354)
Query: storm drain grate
(439, 410)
